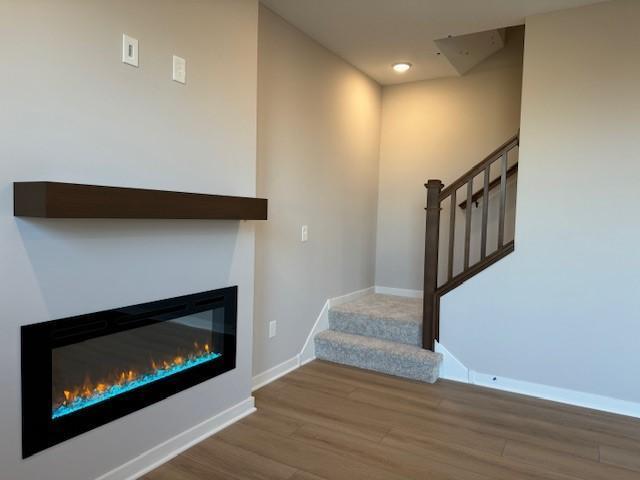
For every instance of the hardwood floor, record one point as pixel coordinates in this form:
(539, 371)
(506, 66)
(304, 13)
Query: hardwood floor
(326, 421)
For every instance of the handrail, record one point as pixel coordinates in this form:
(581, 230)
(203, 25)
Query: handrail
(462, 277)
(511, 171)
(479, 167)
(435, 196)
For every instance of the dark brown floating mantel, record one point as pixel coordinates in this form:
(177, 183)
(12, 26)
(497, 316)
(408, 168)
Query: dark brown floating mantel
(70, 200)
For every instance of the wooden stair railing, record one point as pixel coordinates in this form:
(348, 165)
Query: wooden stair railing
(512, 170)
(436, 194)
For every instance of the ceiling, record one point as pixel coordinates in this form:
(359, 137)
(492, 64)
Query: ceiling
(374, 34)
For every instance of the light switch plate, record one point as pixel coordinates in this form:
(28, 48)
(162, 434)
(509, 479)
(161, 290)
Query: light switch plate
(179, 69)
(272, 329)
(129, 50)
(304, 235)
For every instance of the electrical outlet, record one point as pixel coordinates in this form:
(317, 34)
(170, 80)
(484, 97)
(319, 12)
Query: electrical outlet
(272, 329)
(129, 50)
(305, 233)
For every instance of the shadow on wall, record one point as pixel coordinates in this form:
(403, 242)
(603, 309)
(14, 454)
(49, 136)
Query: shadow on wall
(85, 265)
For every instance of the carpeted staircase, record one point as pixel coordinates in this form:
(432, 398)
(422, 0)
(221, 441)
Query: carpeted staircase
(381, 333)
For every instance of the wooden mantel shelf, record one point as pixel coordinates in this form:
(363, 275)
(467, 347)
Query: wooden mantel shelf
(69, 200)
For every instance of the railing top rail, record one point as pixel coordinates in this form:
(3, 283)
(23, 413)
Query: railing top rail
(513, 170)
(478, 168)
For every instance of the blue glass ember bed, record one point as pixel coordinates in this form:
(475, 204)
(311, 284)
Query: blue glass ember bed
(81, 372)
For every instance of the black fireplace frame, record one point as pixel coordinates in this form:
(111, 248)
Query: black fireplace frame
(40, 431)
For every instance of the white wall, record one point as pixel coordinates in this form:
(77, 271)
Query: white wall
(438, 129)
(564, 309)
(71, 111)
(318, 143)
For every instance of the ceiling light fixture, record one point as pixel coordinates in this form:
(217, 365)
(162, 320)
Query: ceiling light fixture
(401, 67)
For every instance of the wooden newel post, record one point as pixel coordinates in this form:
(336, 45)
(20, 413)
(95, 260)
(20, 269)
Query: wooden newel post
(432, 235)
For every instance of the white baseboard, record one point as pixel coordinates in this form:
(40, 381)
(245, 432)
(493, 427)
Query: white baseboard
(276, 372)
(453, 369)
(399, 292)
(349, 297)
(169, 449)
(307, 353)
(556, 394)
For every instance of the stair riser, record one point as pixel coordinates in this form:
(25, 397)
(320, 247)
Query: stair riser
(379, 361)
(408, 333)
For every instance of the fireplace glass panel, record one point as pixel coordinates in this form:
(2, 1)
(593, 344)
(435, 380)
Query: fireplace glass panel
(94, 370)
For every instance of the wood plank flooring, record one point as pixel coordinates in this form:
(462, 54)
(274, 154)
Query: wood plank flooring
(330, 422)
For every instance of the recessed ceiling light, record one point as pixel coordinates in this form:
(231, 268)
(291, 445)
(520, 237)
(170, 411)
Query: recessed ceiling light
(401, 67)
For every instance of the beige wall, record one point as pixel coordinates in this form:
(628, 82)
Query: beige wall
(72, 111)
(318, 139)
(438, 129)
(563, 310)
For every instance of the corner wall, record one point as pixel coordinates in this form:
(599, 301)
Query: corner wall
(438, 129)
(563, 310)
(71, 111)
(318, 144)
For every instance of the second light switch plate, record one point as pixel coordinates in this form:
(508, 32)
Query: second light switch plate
(179, 69)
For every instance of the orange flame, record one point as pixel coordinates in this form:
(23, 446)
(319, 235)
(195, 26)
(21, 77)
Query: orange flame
(90, 388)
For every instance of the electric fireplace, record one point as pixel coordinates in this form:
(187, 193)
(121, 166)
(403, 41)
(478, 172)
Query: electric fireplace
(81, 372)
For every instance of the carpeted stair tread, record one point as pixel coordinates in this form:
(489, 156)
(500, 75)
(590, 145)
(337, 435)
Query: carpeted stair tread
(383, 356)
(387, 317)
